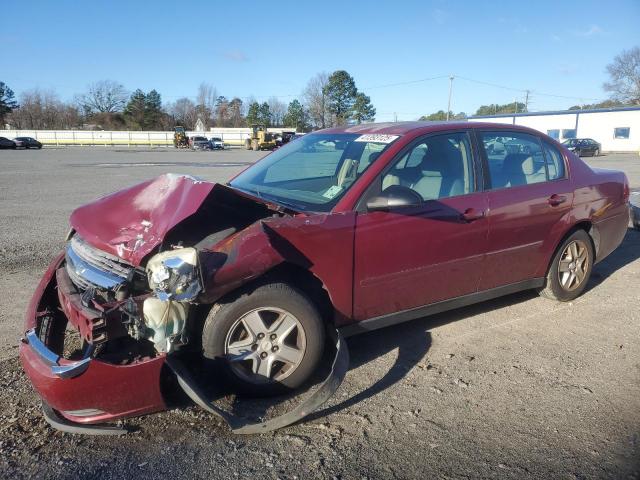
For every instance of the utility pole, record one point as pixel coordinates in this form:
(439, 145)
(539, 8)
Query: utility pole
(450, 90)
(515, 105)
(526, 101)
(395, 117)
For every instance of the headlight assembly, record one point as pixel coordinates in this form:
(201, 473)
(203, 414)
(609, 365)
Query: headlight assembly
(174, 274)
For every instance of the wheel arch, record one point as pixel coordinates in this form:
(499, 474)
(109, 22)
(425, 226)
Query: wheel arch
(298, 278)
(585, 225)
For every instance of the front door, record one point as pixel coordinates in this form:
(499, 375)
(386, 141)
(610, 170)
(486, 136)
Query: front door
(413, 256)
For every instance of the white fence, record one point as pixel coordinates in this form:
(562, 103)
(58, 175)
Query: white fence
(230, 136)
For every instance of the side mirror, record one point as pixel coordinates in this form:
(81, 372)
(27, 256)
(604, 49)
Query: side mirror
(395, 196)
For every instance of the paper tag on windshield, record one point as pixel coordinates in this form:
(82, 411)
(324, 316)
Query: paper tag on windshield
(332, 192)
(376, 138)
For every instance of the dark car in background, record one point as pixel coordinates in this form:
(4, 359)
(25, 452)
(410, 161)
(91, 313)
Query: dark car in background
(200, 143)
(27, 142)
(6, 143)
(583, 146)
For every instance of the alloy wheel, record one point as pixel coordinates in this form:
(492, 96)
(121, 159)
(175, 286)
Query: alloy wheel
(573, 265)
(265, 345)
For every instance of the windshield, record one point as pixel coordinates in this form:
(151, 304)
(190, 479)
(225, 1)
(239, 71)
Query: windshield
(570, 142)
(313, 172)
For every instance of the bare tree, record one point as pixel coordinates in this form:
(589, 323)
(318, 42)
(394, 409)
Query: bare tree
(278, 110)
(316, 100)
(42, 109)
(625, 77)
(205, 102)
(185, 112)
(105, 96)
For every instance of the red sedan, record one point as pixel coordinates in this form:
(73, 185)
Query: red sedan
(359, 228)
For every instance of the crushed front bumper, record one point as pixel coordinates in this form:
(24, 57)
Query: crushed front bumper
(87, 390)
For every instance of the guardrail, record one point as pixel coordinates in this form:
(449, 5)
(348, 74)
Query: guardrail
(231, 137)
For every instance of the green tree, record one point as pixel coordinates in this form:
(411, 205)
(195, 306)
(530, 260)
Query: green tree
(296, 116)
(253, 114)
(7, 102)
(341, 92)
(494, 109)
(363, 111)
(265, 114)
(134, 111)
(153, 111)
(438, 116)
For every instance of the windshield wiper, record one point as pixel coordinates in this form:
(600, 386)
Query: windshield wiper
(270, 198)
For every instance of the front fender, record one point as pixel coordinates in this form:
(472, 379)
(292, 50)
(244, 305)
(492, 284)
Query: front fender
(322, 244)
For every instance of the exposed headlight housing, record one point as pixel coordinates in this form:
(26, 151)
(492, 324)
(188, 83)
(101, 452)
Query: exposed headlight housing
(175, 275)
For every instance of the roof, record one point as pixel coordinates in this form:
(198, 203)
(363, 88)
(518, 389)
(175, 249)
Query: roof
(393, 128)
(402, 128)
(558, 112)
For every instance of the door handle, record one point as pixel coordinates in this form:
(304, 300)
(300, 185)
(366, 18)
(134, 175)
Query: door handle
(471, 214)
(555, 199)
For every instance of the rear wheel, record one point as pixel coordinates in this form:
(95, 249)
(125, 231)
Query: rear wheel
(247, 144)
(269, 339)
(596, 152)
(570, 269)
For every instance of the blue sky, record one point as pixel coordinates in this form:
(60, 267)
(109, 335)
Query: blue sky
(265, 49)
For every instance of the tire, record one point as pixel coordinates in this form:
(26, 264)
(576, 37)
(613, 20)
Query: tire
(578, 153)
(234, 327)
(559, 282)
(247, 144)
(596, 152)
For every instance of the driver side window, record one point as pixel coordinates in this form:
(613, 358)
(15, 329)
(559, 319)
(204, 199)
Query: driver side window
(438, 167)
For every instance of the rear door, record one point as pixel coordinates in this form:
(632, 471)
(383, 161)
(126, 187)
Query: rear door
(528, 194)
(413, 256)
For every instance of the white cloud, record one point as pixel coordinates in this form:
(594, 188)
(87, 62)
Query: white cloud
(439, 16)
(236, 56)
(591, 31)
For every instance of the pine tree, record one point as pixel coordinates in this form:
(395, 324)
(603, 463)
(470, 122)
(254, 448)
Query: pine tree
(363, 111)
(134, 111)
(152, 111)
(253, 114)
(341, 93)
(7, 102)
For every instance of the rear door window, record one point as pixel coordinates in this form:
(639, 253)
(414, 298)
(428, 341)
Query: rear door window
(514, 159)
(555, 162)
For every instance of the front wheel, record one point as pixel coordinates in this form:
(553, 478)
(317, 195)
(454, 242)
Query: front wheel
(596, 153)
(270, 339)
(570, 269)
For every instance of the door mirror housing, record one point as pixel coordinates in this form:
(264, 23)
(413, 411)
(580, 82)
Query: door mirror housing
(395, 196)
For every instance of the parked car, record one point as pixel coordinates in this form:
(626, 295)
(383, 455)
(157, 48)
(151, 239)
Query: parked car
(6, 143)
(357, 228)
(634, 201)
(216, 143)
(27, 142)
(583, 146)
(200, 143)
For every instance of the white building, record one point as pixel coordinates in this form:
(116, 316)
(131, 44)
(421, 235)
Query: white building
(616, 129)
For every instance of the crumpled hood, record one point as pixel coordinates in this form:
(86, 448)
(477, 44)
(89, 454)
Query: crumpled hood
(130, 223)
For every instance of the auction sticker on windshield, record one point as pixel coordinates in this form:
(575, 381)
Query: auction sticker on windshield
(377, 138)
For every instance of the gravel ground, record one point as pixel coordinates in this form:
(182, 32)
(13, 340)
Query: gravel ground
(519, 387)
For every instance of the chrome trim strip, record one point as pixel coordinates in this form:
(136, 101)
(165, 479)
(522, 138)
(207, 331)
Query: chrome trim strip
(70, 370)
(90, 273)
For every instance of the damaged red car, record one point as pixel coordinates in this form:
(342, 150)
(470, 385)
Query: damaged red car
(353, 228)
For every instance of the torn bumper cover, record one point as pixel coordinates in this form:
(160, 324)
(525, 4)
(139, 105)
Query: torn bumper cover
(84, 391)
(87, 390)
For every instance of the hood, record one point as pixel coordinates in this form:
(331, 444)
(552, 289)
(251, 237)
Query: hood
(131, 223)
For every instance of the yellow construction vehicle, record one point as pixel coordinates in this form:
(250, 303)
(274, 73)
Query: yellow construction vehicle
(260, 139)
(180, 139)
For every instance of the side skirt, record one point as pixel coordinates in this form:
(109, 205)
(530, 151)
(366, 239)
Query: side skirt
(383, 321)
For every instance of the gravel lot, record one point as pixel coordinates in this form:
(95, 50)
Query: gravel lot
(519, 387)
